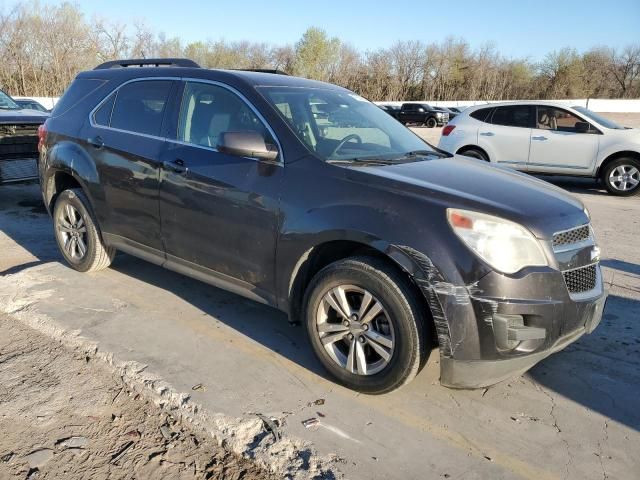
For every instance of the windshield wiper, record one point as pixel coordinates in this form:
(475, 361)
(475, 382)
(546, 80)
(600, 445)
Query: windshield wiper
(425, 153)
(366, 161)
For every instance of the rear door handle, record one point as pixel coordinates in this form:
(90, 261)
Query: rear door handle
(540, 138)
(487, 134)
(177, 166)
(96, 142)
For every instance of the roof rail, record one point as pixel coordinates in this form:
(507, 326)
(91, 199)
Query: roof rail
(262, 70)
(151, 62)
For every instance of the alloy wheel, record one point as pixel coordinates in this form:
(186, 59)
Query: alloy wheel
(355, 330)
(624, 178)
(73, 232)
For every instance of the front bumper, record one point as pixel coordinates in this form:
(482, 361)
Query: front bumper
(462, 373)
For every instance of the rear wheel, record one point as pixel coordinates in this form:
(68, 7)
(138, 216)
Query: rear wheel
(622, 177)
(475, 153)
(77, 235)
(365, 324)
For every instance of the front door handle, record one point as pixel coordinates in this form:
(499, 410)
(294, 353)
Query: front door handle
(487, 134)
(540, 138)
(96, 142)
(177, 166)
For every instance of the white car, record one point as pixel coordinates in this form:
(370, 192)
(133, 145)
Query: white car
(548, 138)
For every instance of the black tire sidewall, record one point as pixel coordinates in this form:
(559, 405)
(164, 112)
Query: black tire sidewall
(431, 122)
(473, 153)
(607, 171)
(408, 329)
(75, 199)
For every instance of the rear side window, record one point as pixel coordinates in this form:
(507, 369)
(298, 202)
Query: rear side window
(103, 114)
(79, 89)
(512, 116)
(139, 106)
(480, 114)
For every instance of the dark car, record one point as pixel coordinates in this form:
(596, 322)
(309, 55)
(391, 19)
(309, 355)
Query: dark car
(422, 114)
(29, 104)
(18, 141)
(392, 110)
(365, 234)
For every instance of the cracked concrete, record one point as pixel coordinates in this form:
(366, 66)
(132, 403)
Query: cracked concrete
(173, 333)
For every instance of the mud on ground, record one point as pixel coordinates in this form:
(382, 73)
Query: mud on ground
(64, 415)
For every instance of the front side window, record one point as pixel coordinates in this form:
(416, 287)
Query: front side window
(208, 111)
(139, 106)
(512, 116)
(339, 125)
(551, 118)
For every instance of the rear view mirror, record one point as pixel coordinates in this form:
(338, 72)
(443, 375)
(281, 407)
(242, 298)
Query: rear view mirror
(582, 127)
(247, 144)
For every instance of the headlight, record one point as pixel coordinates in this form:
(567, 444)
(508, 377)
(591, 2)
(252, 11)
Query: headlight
(505, 245)
(439, 114)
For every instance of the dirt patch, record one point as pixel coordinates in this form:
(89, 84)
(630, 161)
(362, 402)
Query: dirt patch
(64, 415)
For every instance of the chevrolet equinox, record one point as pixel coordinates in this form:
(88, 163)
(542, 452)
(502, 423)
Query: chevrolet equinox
(308, 198)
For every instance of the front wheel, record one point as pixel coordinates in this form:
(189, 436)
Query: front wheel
(622, 177)
(431, 122)
(77, 235)
(366, 324)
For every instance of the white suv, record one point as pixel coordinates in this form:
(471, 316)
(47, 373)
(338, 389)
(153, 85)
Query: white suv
(550, 138)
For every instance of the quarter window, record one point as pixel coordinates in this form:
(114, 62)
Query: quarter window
(512, 116)
(103, 114)
(139, 106)
(209, 110)
(480, 114)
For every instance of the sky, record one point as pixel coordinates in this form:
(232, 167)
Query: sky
(518, 28)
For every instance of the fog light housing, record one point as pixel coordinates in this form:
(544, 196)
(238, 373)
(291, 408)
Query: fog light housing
(509, 331)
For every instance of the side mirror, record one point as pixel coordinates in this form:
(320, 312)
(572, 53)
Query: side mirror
(582, 127)
(247, 144)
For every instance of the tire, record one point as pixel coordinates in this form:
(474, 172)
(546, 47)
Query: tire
(77, 234)
(431, 122)
(622, 177)
(389, 344)
(475, 153)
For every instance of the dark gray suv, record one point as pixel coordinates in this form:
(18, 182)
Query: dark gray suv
(306, 197)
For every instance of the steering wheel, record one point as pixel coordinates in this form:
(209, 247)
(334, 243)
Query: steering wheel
(342, 143)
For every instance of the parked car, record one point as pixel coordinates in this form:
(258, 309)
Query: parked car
(29, 104)
(392, 110)
(367, 235)
(422, 114)
(549, 138)
(456, 109)
(18, 141)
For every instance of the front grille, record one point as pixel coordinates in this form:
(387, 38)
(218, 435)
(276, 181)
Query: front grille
(575, 235)
(581, 279)
(18, 141)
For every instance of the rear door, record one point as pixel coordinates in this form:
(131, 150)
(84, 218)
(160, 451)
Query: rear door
(220, 212)
(557, 146)
(126, 141)
(506, 135)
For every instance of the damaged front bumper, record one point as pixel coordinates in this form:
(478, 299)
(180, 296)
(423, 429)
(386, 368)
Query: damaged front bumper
(515, 334)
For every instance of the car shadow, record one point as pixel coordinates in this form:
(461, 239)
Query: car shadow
(621, 265)
(601, 371)
(576, 184)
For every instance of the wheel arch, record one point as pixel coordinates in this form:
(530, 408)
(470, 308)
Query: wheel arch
(468, 147)
(405, 260)
(615, 156)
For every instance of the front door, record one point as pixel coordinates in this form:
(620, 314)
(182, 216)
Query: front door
(558, 146)
(220, 212)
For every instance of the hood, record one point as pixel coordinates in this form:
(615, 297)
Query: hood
(22, 116)
(461, 182)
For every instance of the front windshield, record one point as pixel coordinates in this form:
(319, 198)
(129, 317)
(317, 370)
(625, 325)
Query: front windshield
(339, 125)
(605, 122)
(7, 103)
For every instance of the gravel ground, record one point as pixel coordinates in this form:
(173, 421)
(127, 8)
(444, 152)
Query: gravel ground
(64, 415)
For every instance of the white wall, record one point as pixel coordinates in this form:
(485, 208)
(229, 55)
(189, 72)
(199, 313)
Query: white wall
(595, 104)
